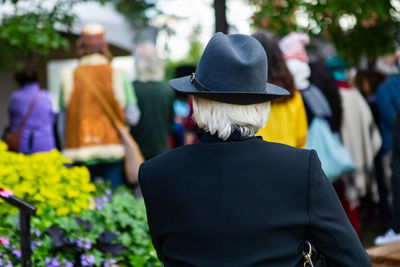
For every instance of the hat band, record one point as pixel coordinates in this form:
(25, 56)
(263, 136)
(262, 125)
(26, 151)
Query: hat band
(197, 84)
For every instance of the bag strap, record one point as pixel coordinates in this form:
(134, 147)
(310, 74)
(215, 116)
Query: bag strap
(30, 110)
(117, 123)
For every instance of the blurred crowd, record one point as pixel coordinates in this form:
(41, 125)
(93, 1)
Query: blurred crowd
(349, 117)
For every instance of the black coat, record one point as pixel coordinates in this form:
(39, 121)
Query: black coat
(244, 202)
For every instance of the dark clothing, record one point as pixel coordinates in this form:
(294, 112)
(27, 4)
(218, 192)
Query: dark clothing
(113, 172)
(244, 202)
(388, 102)
(155, 100)
(395, 179)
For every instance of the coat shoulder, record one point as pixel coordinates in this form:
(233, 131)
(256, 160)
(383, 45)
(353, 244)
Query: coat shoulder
(275, 155)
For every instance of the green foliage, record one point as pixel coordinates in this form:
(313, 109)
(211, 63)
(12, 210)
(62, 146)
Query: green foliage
(119, 216)
(32, 30)
(356, 27)
(135, 11)
(43, 180)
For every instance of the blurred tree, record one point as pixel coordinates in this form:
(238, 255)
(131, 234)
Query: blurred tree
(136, 10)
(30, 30)
(355, 27)
(221, 24)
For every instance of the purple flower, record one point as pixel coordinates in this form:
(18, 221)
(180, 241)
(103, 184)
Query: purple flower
(99, 203)
(79, 243)
(5, 262)
(17, 253)
(105, 199)
(85, 244)
(35, 244)
(68, 263)
(48, 260)
(110, 263)
(88, 244)
(54, 262)
(87, 260)
(108, 192)
(37, 233)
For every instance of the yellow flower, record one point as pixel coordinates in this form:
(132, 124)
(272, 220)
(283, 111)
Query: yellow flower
(61, 211)
(71, 193)
(3, 146)
(43, 180)
(76, 209)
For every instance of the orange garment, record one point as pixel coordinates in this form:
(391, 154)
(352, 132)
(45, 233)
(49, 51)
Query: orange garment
(287, 123)
(87, 124)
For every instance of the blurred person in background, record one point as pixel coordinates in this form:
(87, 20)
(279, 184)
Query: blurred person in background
(155, 100)
(89, 136)
(293, 49)
(393, 233)
(321, 77)
(388, 102)
(287, 123)
(367, 82)
(183, 112)
(30, 113)
(189, 125)
(361, 138)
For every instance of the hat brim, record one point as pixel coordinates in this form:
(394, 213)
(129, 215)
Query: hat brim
(184, 85)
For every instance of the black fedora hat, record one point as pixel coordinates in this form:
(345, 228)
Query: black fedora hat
(233, 69)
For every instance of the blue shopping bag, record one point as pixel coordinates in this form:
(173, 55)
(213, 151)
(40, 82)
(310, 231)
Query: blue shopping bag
(335, 159)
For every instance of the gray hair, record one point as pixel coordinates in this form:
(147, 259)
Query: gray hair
(222, 118)
(149, 67)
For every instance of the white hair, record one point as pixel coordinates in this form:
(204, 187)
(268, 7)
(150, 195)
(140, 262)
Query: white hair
(222, 118)
(149, 67)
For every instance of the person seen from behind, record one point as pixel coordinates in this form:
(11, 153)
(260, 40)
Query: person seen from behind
(155, 100)
(388, 102)
(287, 122)
(321, 77)
(30, 114)
(89, 135)
(233, 199)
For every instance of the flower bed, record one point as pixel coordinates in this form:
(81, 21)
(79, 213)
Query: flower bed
(44, 179)
(85, 225)
(113, 233)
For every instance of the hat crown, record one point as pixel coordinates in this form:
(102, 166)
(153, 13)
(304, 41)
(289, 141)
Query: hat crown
(92, 28)
(235, 63)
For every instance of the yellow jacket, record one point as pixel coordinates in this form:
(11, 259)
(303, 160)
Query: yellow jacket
(287, 123)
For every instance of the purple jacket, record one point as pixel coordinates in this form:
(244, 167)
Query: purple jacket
(37, 135)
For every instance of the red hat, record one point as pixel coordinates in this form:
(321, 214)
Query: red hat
(92, 38)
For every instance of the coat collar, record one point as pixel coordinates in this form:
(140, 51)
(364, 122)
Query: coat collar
(31, 86)
(206, 137)
(93, 59)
